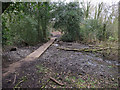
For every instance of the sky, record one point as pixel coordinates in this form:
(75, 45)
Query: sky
(105, 1)
(94, 1)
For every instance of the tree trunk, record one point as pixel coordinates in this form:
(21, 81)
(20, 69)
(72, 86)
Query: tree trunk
(45, 18)
(104, 31)
(38, 26)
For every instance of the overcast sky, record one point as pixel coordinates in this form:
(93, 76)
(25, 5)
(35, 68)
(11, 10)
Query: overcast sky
(93, 1)
(105, 1)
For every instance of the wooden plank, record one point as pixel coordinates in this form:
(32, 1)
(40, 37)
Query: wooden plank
(31, 57)
(37, 53)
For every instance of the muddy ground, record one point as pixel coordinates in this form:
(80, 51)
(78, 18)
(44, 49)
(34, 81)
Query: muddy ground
(9, 57)
(73, 69)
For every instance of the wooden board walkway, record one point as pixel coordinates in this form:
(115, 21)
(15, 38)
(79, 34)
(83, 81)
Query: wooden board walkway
(31, 57)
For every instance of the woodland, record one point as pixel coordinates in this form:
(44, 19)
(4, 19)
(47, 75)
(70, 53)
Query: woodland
(82, 41)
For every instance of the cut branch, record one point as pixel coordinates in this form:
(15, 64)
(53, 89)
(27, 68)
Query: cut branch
(61, 84)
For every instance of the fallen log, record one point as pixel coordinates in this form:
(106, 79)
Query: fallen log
(84, 49)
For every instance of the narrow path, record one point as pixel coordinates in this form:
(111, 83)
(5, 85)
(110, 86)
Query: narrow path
(37, 53)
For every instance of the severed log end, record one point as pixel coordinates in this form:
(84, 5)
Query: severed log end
(13, 49)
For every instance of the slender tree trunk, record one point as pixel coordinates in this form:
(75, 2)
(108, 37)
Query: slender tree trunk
(45, 21)
(38, 26)
(104, 31)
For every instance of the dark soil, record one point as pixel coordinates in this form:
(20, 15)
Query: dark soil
(73, 69)
(9, 57)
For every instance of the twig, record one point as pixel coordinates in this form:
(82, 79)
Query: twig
(45, 84)
(18, 83)
(61, 84)
(23, 79)
(14, 79)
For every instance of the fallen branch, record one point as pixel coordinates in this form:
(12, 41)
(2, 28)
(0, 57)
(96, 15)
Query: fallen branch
(84, 49)
(23, 79)
(14, 79)
(61, 84)
(45, 84)
(18, 83)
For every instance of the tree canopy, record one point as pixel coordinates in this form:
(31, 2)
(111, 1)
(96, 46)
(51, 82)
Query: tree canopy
(31, 22)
